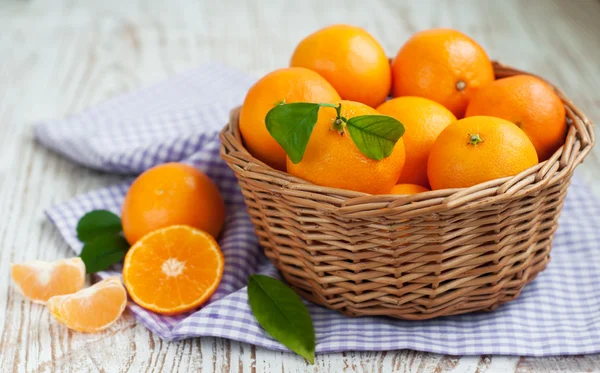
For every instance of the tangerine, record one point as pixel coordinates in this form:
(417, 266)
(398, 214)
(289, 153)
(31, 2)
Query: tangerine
(171, 194)
(408, 189)
(332, 159)
(423, 121)
(531, 104)
(173, 269)
(443, 65)
(294, 84)
(350, 59)
(478, 149)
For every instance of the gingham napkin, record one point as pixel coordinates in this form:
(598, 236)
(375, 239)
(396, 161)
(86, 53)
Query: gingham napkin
(178, 120)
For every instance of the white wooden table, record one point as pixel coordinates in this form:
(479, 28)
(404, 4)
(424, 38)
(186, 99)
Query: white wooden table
(60, 56)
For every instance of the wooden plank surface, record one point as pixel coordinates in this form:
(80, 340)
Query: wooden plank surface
(60, 56)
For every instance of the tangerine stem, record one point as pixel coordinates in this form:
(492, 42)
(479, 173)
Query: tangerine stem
(474, 139)
(338, 108)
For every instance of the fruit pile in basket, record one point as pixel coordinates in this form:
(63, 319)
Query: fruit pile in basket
(343, 116)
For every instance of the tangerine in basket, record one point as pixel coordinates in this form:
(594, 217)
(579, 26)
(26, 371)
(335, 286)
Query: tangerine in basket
(173, 269)
(423, 120)
(531, 104)
(92, 309)
(171, 194)
(332, 159)
(284, 85)
(478, 149)
(39, 281)
(408, 189)
(350, 59)
(442, 65)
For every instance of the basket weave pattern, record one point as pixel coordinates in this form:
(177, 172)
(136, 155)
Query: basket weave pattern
(432, 254)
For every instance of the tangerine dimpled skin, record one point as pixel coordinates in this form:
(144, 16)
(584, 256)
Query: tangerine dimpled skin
(350, 59)
(332, 159)
(288, 85)
(478, 149)
(443, 65)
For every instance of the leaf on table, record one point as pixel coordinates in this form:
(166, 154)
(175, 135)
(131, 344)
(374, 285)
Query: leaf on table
(280, 311)
(96, 223)
(103, 251)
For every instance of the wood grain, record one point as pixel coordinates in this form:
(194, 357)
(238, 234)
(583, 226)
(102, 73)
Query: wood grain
(58, 57)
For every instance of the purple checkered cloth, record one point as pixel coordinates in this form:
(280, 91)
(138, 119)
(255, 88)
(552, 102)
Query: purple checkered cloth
(179, 120)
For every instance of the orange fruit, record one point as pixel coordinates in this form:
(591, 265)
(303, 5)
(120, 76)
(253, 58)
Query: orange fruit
(173, 269)
(442, 65)
(38, 281)
(333, 160)
(284, 85)
(92, 309)
(531, 104)
(171, 194)
(478, 149)
(350, 59)
(423, 121)
(408, 189)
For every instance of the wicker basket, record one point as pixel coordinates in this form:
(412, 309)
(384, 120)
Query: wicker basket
(414, 257)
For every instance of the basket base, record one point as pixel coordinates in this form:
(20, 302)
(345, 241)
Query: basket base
(481, 299)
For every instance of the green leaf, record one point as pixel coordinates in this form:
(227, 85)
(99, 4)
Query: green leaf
(103, 251)
(98, 222)
(283, 315)
(291, 126)
(375, 135)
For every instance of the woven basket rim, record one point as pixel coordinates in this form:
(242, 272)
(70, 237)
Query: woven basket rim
(578, 143)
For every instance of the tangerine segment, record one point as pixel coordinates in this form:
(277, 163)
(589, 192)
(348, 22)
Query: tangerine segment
(38, 281)
(173, 269)
(92, 309)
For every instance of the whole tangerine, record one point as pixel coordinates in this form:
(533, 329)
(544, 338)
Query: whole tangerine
(332, 159)
(350, 59)
(294, 84)
(531, 104)
(443, 65)
(423, 121)
(478, 149)
(172, 194)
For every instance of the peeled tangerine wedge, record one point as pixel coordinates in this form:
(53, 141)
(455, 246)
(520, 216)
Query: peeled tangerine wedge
(92, 309)
(38, 281)
(173, 269)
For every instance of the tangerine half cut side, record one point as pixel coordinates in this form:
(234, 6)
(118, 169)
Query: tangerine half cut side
(173, 269)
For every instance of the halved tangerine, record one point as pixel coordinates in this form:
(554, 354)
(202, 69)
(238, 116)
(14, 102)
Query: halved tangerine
(173, 269)
(38, 280)
(92, 309)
